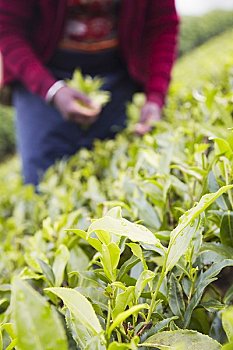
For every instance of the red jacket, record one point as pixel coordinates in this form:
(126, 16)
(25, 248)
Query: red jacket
(31, 29)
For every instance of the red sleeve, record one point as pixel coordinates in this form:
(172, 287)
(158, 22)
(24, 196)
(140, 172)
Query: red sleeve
(19, 59)
(161, 31)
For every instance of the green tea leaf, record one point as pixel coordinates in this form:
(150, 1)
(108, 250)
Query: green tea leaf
(222, 147)
(213, 187)
(12, 345)
(213, 305)
(110, 256)
(35, 320)
(8, 327)
(181, 339)
(82, 336)
(137, 251)
(124, 315)
(4, 303)
(27, 273)
(226, 229)
(92, 288)
(180, 241)
(90, 86)
(175, 297)
(47, 271)
(146, 212)
(97, 296)
(118, 346)
(227, 322)
(95, 243)
(214, 252)
(133, 345)
(228, 346)
(201, 283)
(123, 300)
(103, 236)
(145, 277)
(123, 227)
(61, 259)
(1, 341)
(127, 266)
(158, 327)
(228, 297)
(78, 260)
(188, 225)
(80, 308)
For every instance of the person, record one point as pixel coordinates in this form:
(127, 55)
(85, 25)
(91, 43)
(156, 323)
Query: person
(130, 43)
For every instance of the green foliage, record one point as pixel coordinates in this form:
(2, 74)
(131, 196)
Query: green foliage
(91, 87)
(124, 245)
(7, 133)
(227, 320)
(206, 63)
(194, 31)
(81, 310)
(36, 323)
(180, 340)
(123, 318)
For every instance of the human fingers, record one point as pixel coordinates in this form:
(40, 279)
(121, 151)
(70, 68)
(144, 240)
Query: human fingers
(74, 105)
(87, 111)
(150, 114)
(82, 120)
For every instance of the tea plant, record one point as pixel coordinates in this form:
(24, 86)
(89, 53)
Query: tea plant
(147, 275)
(117, 300)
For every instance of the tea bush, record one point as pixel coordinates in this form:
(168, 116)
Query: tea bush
(124, 246)
(7, 133)
(195, 31)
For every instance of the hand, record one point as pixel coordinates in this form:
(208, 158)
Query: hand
(150, 113)
(75, 106)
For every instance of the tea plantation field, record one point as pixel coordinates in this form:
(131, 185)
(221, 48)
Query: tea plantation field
(130, 245)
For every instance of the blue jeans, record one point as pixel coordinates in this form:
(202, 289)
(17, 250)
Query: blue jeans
(43, 136)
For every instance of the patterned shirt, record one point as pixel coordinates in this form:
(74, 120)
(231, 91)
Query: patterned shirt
(91, 25)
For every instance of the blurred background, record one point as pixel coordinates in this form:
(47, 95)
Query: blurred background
(201, 22)
(199, 7)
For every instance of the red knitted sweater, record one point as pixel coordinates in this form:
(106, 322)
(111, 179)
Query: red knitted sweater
(31, 29)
